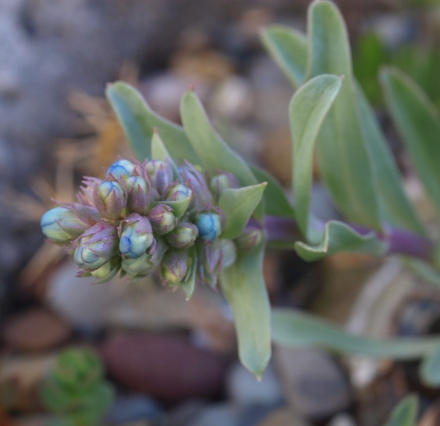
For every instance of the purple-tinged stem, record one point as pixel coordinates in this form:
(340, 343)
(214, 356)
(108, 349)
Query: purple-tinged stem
(400, 241)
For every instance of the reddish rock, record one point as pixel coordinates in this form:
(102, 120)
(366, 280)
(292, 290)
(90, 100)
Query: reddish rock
(36, 329)
(165, 367)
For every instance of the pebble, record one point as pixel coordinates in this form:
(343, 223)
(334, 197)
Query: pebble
(35, 329)
(133, 408)
(283, 417)
(165, 367)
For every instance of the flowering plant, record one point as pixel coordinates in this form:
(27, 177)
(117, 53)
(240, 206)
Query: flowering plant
(191, 209)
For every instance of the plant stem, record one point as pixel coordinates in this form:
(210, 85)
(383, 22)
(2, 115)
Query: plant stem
(399, 241)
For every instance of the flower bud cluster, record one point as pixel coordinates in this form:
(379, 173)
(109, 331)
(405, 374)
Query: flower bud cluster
(148, 217)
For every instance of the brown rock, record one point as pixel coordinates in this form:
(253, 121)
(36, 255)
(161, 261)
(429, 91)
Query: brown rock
(165, 367)
(36, 329)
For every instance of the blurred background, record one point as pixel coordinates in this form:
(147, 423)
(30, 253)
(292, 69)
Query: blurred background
(173, 362)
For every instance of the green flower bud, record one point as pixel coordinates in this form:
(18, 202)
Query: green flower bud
(120, 169)
(107, 271)
(223, 181)
(209, 226)
(136, 236)
(175, 267)
(162, 219)
(178, 192)
(229, 253)
(250, 238)
(183, 235)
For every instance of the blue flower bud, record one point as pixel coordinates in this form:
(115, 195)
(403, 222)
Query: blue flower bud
(162, 219)
(183, 235)
(136, 236)
(96, 246)
(138, 197)
(65, 223)
(178, 192)
(120, 169)
(209, 225)
(160, 173)
(223, 181)
(250, 238)
(175, 267)
(145, 264)
(110, 199)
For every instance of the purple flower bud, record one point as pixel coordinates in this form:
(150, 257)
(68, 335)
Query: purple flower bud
(160, 173)
(178, 192)
(120, 169)
(183, 235)
(110, 199)
(96, 246)
(65, 223)
(175, 267)
(138, 197)
(209, 225)
(250, 238)
(145, 264)
(136, 236)
(223, 181)
(85, 196)
(196, 181)
(162, 219)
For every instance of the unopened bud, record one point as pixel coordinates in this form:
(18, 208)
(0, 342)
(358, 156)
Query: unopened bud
(195, 179)
(120, 169)
(250, 238)
(145, 264)
(229, 253)
(138, 198)
(136, 236)
(178, 192)
(162, 219)
(110, 199)
(96, 246)
(223, 181)
(161, 174)
(183, 235)
(175, 267)
(107, 271)
(209, 226)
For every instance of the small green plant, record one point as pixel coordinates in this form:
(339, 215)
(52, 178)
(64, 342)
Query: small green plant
(192, 210)
(75, 390)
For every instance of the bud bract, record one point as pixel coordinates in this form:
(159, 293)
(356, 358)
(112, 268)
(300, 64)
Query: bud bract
(145, 264)
(65, 223)
(183, 235)
(178, 192)
(250, 238)
(120, 169)
(191, 176)
(96, 246)
(85, 196)
(160, 173)
(223, 181)
(136, 236)
(209, 226)
(138, 198)
(110, 199)
(175, 267)
(162, 219)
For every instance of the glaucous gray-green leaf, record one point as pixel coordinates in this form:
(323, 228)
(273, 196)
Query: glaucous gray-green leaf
(430, 368)
(275, 199)
(160, 152)
(301, 329)
(339, 237)
(307, 111)
(405, 412)
(238, 205)
(288, 48)
(179, 207)
(429, 273)
(213, 152)
(418, 122)
(394, 205)
(188, 286)
(245, 290)
(139, 121)
(342, 155)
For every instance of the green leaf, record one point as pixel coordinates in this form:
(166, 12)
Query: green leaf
(238, 205)
(179, 207)
(288, 48)
(159, 152)
(339, 237)
(307, 110)
(429, 273)
(417, 120)
(213, 152)
(405, 413)
(245, 290)
(275, 200)
(300, 329)
(393, 202)
(342, 154)
(430, 368)
(188, 286)
(139, 121)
